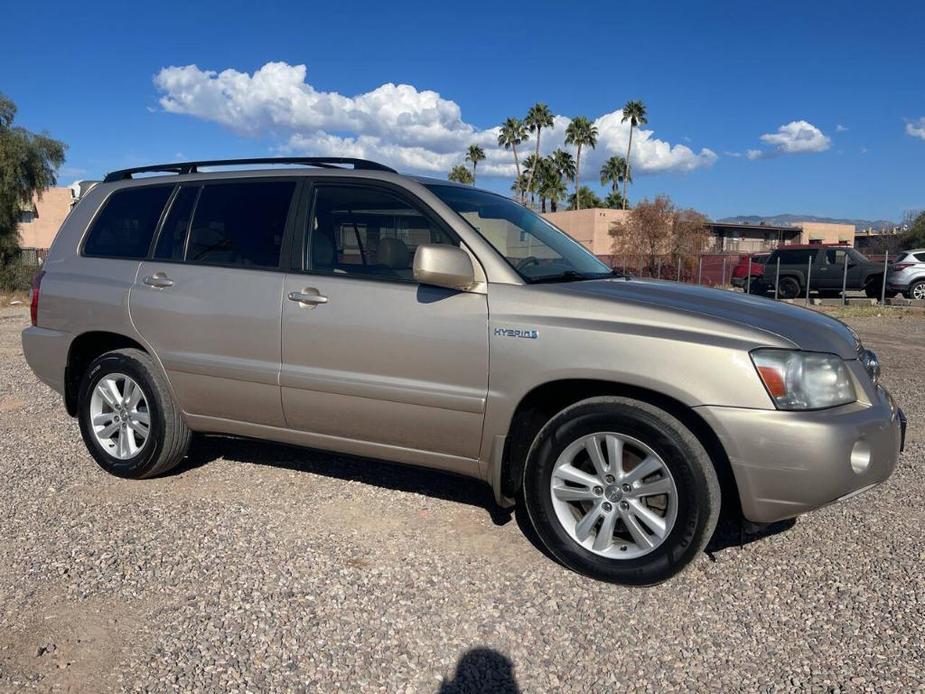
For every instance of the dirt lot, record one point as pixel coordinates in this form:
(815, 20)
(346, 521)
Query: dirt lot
(260, 567)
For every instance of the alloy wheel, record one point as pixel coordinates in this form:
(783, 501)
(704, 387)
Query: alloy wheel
(119, 416)
(614, 495)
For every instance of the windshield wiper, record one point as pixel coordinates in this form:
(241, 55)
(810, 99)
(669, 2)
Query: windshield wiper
(572, 276)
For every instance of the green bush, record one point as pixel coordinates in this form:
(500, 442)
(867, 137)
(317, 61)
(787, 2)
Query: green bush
(16, 277)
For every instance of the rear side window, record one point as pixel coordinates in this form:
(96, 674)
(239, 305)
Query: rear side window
(920, 257)
(172, 239)
(125, 226)
(240, 223)
(796, 255)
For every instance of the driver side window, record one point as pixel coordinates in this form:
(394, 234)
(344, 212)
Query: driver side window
(366, 232)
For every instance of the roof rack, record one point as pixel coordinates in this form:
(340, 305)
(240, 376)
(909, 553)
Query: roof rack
(188, 167)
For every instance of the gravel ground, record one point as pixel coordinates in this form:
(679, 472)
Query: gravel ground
(262, 567)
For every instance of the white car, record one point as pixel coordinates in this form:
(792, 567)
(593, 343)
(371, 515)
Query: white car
(907, 275)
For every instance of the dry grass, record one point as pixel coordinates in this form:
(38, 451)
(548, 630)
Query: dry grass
(895, 312)
(7, 298)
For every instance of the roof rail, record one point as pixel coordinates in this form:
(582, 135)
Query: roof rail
(188, 167)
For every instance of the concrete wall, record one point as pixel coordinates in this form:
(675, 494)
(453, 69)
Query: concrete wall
(825, 232)
(51, 210)
(589, 227)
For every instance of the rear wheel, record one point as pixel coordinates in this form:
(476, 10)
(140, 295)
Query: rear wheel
(127, 418)
(788, 288)
(621, 491)
(917, 290)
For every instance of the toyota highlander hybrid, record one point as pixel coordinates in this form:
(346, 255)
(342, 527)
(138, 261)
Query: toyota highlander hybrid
(339, 305)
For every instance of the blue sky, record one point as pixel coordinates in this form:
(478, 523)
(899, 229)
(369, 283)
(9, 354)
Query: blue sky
(837, 89)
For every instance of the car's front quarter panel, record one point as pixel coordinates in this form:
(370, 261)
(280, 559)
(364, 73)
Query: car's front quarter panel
(538, 335)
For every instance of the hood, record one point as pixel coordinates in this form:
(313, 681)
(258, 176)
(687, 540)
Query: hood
(804, 328)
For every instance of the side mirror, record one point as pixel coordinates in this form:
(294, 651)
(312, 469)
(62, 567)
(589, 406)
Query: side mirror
(445, 266)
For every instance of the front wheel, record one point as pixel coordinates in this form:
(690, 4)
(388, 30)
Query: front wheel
(128, 420)
(621, 491)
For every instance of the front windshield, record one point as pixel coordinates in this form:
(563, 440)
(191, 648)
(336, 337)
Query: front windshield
(537, 250)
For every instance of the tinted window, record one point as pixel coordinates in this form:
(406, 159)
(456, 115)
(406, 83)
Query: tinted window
(920, 257)
(796, 255)
(835, 256)
(368, 232)
(125, 226)
(172, 238)
(536, 249)
(240, 223)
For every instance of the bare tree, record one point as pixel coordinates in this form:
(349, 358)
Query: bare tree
(659, 228)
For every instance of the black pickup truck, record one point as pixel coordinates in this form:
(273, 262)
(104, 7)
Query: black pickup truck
(825, 268)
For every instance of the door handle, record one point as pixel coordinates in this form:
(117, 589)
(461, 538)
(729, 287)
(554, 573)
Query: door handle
(308, 296)
(158, 279)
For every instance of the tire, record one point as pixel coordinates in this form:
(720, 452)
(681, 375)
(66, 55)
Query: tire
(118, 441)
(687, 512)
(872, 289)
(917, 290)
(788, 288)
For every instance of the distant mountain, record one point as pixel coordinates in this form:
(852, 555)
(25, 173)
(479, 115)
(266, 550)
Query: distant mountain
(793, 219)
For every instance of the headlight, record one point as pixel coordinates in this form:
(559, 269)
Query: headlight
(804, 380)
(871, 364)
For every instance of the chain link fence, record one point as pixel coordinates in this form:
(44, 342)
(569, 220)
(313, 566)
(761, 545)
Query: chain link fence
(731, 271)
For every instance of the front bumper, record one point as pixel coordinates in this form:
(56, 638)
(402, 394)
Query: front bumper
(788, 463)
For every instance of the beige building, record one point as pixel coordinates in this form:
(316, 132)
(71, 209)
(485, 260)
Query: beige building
(590, 227)
(39, 223)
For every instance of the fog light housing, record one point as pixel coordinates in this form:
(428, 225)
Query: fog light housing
(860, 456)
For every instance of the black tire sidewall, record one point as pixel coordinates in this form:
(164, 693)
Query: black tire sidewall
(695, 517)
(790, 283)
(138, 466)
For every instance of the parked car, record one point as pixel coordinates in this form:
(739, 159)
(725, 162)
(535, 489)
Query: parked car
(824, 266)
(907, 274)
(416, 320)
(751, 268)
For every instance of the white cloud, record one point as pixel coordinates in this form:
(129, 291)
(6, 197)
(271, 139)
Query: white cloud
(839, 128)
(796, 137)
(916, 128)
(401, 125)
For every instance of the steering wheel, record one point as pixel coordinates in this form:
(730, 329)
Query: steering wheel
(527, 262)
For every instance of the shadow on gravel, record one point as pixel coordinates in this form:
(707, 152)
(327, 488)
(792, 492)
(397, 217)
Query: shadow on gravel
(380, 473)
(731, 533)
(482, 670)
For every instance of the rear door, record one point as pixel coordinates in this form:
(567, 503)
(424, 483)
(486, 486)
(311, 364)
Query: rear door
(208, 300)
(372, 362)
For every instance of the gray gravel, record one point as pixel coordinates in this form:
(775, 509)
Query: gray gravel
(262, 567)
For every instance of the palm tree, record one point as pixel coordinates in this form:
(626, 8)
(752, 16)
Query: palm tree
(635, 113)
(580, 133)
(585, 195)
(550, 184)
(613, 172)
(530, 166)
(512, 134)
(475, 154)
(614, 200)
(564, 163)
(461, 174)
(538, 117)
(519, 186)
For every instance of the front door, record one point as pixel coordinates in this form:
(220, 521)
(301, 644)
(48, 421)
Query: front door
(372, 362)
(208, 302)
